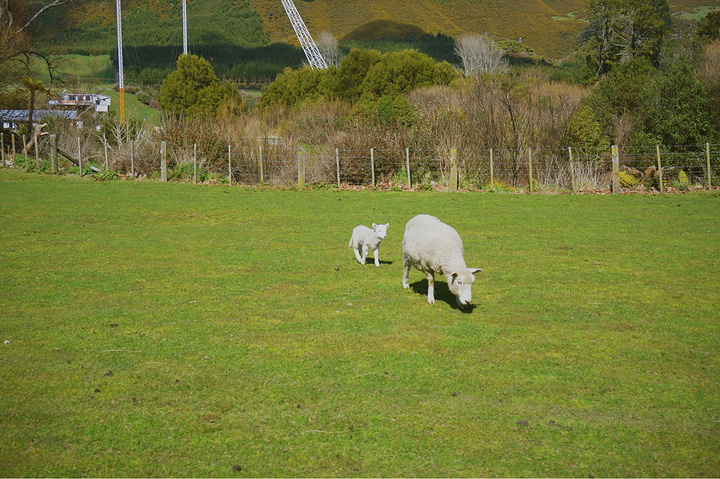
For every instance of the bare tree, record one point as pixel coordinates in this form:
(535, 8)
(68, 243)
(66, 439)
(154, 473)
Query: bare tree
(479, 54)
(16, 49)
(329, 49)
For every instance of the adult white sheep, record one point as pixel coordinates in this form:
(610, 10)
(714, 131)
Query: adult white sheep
(434, 247)
(364, 239)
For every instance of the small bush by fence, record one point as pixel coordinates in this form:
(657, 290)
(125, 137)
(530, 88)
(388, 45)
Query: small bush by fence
(279, 162)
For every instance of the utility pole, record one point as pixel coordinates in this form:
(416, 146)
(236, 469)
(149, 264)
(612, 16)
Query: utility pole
(121, 81)
(312, 53)
(184, 20)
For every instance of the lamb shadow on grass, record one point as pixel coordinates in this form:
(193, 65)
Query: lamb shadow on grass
(442, 293)
(372, 261)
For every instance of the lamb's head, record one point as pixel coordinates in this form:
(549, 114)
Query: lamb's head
(381, 230)
(460, 284)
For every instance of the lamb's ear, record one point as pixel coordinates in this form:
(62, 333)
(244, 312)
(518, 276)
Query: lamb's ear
(475, 271)
(387, 225)
(374, 226)
(453, 277)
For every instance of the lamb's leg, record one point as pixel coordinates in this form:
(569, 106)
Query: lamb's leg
(431, 287)
(364, 254)
(406, 275)
(375, 253)
(356, 250)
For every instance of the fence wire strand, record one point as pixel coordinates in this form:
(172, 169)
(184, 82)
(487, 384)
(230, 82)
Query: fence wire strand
(277, 162)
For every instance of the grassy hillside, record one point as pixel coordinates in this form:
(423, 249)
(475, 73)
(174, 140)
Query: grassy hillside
(549, 27)
(533, 20)
(92, 28)
(76, 70)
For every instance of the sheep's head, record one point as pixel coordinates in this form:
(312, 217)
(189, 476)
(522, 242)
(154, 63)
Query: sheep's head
(381, 230)
(460, 284)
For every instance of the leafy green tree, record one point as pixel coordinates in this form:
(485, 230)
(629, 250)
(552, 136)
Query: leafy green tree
(387, 111)
(352, 72)
(709, 27)
(646, 24)
(293, 87)
(362, 74)
(676, 108)
(601, 37)
(401, 72)
(620, 89)
(192, 89)
(619, 30)
(584, 130)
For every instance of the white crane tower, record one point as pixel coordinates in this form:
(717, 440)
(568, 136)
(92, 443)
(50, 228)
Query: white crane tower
(306, 41)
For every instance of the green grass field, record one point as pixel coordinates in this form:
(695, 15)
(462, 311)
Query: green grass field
(153, 329)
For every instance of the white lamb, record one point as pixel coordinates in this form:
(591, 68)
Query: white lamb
(434, 247)
(364, 239)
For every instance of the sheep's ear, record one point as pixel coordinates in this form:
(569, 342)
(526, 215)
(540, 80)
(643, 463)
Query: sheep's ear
(387, 225)
(374, 226)
(475, 271)
(453, 277)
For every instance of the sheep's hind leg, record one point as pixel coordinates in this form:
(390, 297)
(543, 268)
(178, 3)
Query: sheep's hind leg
(431, 288)
(406, 275)
(375, 254)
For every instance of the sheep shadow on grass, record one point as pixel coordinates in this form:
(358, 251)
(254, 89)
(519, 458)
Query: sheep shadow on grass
(442, 293)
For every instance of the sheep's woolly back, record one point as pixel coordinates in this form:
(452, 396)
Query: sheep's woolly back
(431, 245)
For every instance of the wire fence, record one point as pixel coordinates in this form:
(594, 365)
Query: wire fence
(277, 162)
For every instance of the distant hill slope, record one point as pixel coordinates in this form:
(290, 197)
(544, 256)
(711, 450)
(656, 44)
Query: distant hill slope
(92, 28)
(546, 29)
(550, 27)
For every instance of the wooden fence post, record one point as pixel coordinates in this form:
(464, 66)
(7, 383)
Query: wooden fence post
(2, 150)
(337, 165)
(132, 158)
(660, 177)
(572, 170)
(301, 169)
(372, 165)
(107, 161)
(80, 172)
(27, 163)
(615, 170)
(12, 139)
(453, 170)
(37, 151)
(407, 165)
(194, 163)
(492, 172)
(163, 161)
(262, 166)
(709, 171)
(229, 164)
(53, 155)
(530, 169)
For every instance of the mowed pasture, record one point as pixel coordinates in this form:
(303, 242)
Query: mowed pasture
(166, 329)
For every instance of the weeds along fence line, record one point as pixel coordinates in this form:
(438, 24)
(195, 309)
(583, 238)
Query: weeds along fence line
(278, 162)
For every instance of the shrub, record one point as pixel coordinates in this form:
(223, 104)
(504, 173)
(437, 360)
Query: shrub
(628, 180)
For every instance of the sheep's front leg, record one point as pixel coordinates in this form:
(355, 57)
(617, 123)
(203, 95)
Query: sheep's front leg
(431, 287)
(375, 254)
